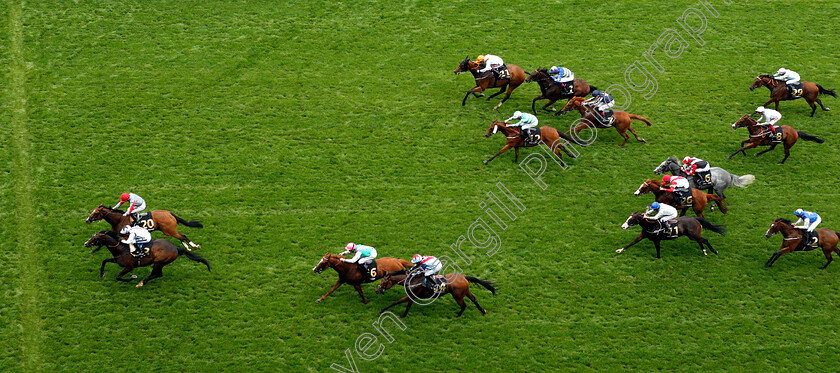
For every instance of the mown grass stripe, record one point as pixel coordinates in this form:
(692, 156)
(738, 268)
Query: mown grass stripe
(23, 229)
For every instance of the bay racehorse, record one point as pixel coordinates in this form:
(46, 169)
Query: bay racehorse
(349, 272)
(161, 220)
(486, 80)
(721, 179)
(548, 136)
(793, 241)
(551, 90)
(590, 117)
(762, 137)
(456, 284)
(779, 92)
(699, 199)
(685, 226)
(161, 253)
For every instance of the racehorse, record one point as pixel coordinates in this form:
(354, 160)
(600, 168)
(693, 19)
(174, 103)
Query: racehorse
(758, 136)
(722, 179)
(686, 226)
(459, 287)
(588, 114)
(162, 220)
(161, 253)
(793, 241)
(779, 92)
(349, 272)
(486, 80)
(551, 90)
(699, 199)
(548, 136)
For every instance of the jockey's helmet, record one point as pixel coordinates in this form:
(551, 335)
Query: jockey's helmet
(125, 229)
(554, 70)
(124, 197)
(517, 114)
(759, 109)
(596, 93)
(350, 247)
(417, 258)
(654, 206)
(666, 179)
(799, 212)
(782, 70)
(480, 58)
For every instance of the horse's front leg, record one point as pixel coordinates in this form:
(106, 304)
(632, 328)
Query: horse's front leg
(550, 102)
(337, 284)
(401, 300)
(506, 148)
(639, 238)
(656, 243)
(516, 151)
(772, 146)
(742, 150)
(124, 271)
(473, 91)
(534, 103)
(102, 269)
(361, 292)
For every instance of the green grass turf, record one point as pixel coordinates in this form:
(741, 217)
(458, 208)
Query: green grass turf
(290, 128)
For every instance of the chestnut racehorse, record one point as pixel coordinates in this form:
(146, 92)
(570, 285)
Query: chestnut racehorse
(457, 284)
(350, 273)
(686, 226)
(549, 136)
(698, 201)
(793, 241)
(486, 80)
(551, 90)
(588, 114)
(758, 136)
(161, 253)
(779, 92)
(162, 220)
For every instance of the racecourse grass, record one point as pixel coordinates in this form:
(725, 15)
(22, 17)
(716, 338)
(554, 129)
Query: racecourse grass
(291, 128)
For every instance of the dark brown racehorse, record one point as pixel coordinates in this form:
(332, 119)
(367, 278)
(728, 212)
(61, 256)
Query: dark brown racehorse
(589, 116)
(162, 220)
(686, 226)
(793, 241)
(779, 92)
(349, 272)
(551, 90)
(161, 253)
(549, 137)
(457, 284)
(759, 136)
(699, 198)
(486, 80)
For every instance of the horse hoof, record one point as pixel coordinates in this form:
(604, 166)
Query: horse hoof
(318, 301)
(619, 251)
(485, 162)
(140, 285)
(826, 109)
(133, 277)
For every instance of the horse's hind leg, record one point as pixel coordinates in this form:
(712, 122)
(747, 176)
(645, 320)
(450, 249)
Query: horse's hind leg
(821, 105)
(504, 87)
(123, 272)
(549, 103)
(472, 298)
(827, 253)
(507, 96)
(157, 272)
(813, 109)
(635, 135)
(460, 301)
(361, 292)
(185, 241)
(787, 154)
(625, 136)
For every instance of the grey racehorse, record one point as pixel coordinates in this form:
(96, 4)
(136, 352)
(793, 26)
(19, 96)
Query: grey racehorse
(721, 178)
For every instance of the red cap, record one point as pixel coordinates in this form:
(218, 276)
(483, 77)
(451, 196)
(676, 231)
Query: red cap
(666, 178)
(124, 197)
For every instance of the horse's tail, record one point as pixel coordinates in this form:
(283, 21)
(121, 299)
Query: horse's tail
(191, 256)
(592, 88)
(829, 92)
(641, 118)
(719, 229)
(486, 284)
(191, 223)
(569, 139)
(742, 181)
(719, 201)
(808, 137)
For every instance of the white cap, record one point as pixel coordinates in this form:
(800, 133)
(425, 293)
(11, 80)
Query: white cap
(125, 229)
(760, 109)
(782, 70)
(517, 114)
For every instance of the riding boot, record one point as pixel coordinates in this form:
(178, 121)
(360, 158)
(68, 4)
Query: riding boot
(136, 217)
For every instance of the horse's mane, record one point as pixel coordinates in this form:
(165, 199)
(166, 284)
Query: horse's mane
(674, 159)
(117, 211)
(655, 182)
(783, 220)
(766, 76)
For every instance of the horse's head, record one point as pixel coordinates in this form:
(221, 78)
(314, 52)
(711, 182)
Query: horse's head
(777, 226)
(465, 66)
(575, 103)
(756, 83)
(536, 76)
(326, 261)
(634, 219)
(745, 121)
(648, 186)
(389, 280)
(494, 127)
(97, 214)
(101, 238)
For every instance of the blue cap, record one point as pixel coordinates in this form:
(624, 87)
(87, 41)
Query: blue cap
(596, 93)
(654, 206)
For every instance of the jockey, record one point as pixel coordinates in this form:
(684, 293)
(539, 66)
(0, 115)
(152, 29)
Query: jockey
(603, 101)
(490, 61)
(137, 204)
(664, 213)
(138, 235)
(788, 76)
(675, 184)
(769, 117)
(810, 219)
(698, 168)
(429, 265)
(526, 121)
(563, 76)
(364, 254)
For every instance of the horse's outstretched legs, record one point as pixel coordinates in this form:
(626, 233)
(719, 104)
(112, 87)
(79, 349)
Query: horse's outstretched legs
(827, 253)
(743, 148)
(337, 284)
(639, 238)
(550, 102)
(507, 96)
(813, 107)
(472, 298)
(821, 104)
(625, 136)
(776, 256)
(361, 292)
(639, 139)
(506, 148)
(123, 272)
(401, 300)
(656, 243)
(157, 272)
(772, 146)
(473, 91)
(460, 301)
(787, 154)
(102, 269)
(534, 104)
(497, 93)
